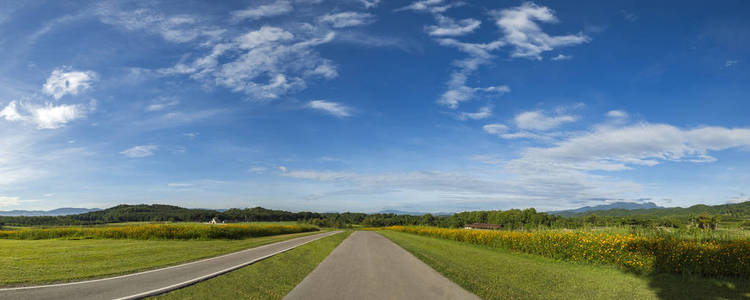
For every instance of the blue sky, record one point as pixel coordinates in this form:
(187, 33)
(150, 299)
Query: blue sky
(364, 105)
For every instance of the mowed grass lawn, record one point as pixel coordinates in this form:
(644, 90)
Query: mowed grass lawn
(271, 278)
(24, 262)
(499, 274)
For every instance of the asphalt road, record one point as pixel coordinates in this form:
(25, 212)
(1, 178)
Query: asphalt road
(369, 266)
(139, 285)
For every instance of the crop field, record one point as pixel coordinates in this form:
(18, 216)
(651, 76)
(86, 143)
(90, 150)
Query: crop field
(24, 262)
(157, 231)
(497, 273)
(637, 253)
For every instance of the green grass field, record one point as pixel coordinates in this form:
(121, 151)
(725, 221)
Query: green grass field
(499, 274)
(24, 262)
(272, 278)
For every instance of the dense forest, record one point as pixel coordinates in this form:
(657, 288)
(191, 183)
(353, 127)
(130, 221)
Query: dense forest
(699, 215)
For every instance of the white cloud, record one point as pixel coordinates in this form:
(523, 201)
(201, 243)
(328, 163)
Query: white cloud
(458, 91)
(483, 113)
(617, 114)
(520, 29)
(448, 27)
(264, 11)
(618, 148)
(496, 129)
(347, 19)
(730, 63)
(370, 3)
(65, 80)
(333, 108)
(538, 120)
(8, 201)
(570, 169)
(10, 112)
(264, 63)
(140, 151)
(431, 6)
(561, 57)
(51, 117)
(46, 116)
(177, 28)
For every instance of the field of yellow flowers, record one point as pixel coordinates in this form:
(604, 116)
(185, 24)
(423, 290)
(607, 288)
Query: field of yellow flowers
(157, 232)
(635, 253)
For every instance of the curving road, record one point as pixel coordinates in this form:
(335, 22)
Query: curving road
(369, 266)
(143, 284)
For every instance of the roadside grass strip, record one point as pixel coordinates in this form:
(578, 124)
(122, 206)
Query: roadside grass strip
(493, 273)
(27, 262)
(271, 278)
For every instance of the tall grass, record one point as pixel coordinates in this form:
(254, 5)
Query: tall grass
(632, 252)
(157, 232)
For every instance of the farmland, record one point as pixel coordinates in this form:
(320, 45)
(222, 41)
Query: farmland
(157, 231)
(24, 262)
(640, 254)
(497, 273)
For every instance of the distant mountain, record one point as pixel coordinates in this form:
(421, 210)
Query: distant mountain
(733, 211)
(412, 213)
(604, 207)
(64, 211)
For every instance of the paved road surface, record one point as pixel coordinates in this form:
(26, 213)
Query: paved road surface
(147, 283)
(369, 266)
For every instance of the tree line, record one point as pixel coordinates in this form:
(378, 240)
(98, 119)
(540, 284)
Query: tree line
(510, 219)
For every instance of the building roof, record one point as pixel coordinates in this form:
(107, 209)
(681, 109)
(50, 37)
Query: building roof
(484, 226)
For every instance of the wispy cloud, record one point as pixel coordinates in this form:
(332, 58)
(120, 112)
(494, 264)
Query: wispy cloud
(521, 32)
(264, 63)
(730, 63)
(140, 151)
(370, 3)
(617, 114)
(277, 8)
(496, 129)
(531, 125)
(162, 103)
(521, 29)
(483, 113)
(176, 28)
(333, 108)
(432, 6)
(448, 27)
(347, 19)
(538, 120)
(561, 57)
